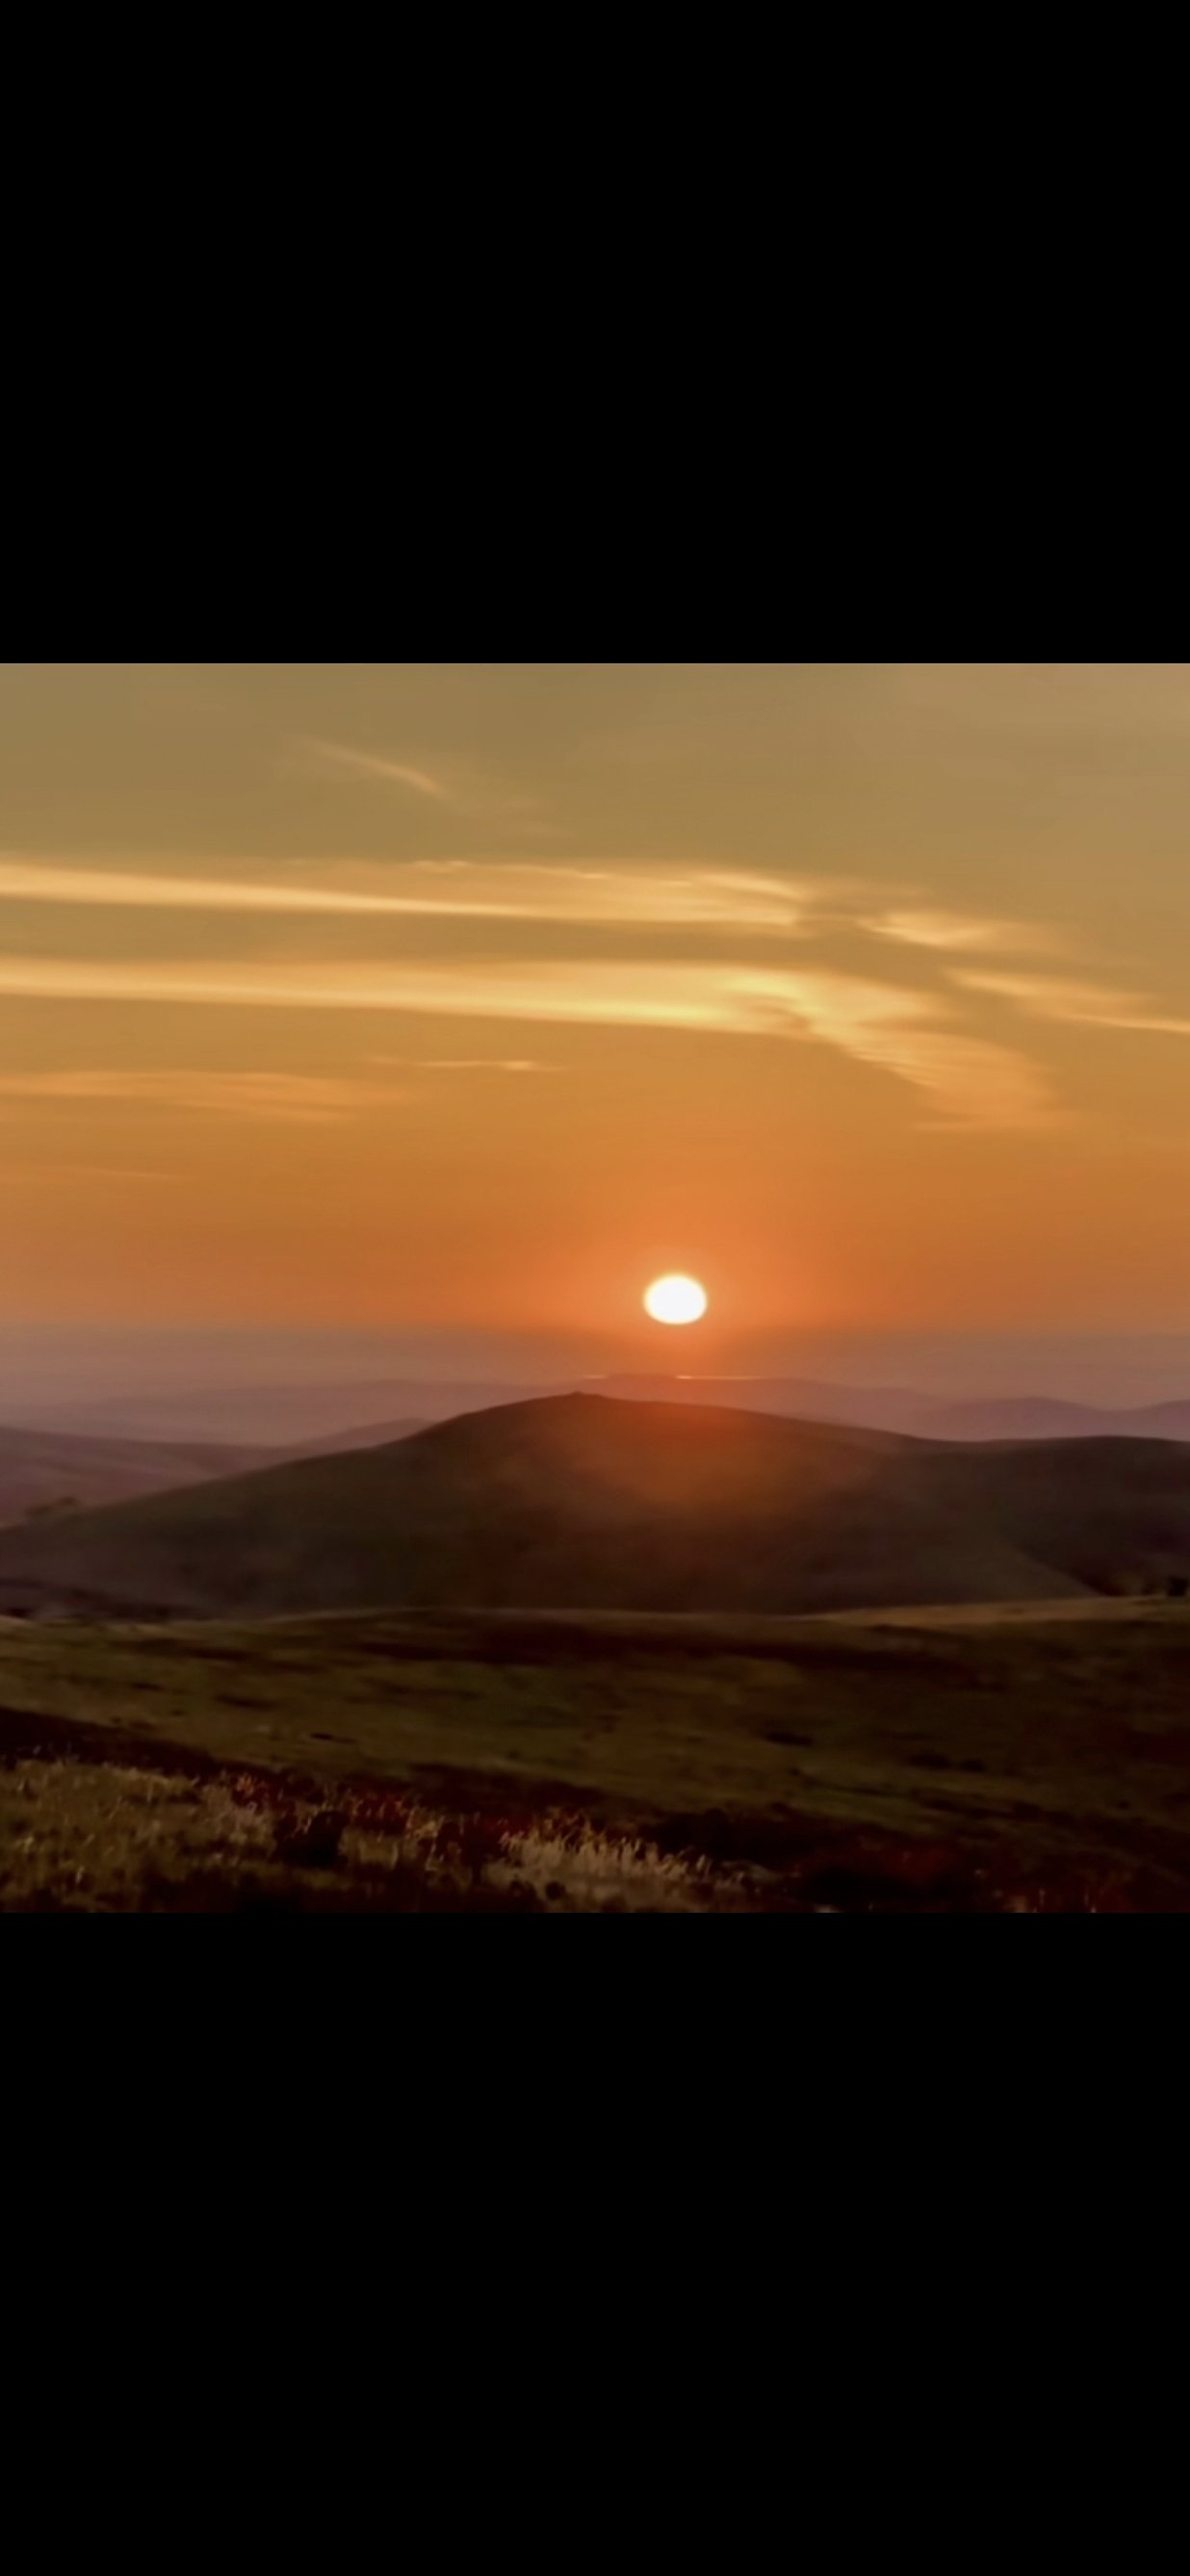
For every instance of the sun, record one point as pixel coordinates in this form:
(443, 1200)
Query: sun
(675, 1300)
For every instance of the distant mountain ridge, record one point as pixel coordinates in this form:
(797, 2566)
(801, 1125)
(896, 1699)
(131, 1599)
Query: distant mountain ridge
(284, 1419)
(46, 1470)
(1044, 1417)
(584, 1502)
(884, 1408)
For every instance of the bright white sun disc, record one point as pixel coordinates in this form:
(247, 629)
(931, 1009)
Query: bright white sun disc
(675, 1300)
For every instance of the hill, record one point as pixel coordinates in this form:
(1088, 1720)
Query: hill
(1046, 1417)
(43, 1471)
(577, 1502)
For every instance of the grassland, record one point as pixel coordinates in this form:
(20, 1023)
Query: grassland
(953, 1759)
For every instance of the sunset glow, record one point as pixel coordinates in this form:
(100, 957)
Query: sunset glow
(594, 1286)
(392, 997)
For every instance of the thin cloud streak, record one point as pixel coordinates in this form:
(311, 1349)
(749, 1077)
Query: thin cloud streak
(884, 1025)
(475, 797)
(367, 764)
(31, 881)
(976, 1082)
(468, 1063)
(922, 928)
(619, 894)
(1046, 997)
(287, 1096)
(51, 1172)
(679, 897)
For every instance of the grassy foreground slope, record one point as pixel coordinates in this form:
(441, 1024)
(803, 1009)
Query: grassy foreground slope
(582, 1502)
(925, 1751)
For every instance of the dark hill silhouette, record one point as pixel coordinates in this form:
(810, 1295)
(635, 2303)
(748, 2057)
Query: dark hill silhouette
(583, 1502)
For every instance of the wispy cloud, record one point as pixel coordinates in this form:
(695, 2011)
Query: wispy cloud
(623, 994)
(287, 1096)
(489, 890)
(896, 1028)
(624, 893)
(919, 927)
(50, 1172)
(1051, 997)
(43, 881)
(369, 764)
(888, 1026)
(468, 1063)
(972, 1082)
(465, 791)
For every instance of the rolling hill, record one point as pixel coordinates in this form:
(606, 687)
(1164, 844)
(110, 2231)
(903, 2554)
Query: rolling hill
(44, 1471)
(583, 1503)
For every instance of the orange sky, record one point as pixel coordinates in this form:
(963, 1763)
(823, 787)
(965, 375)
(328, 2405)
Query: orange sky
(475, 995)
